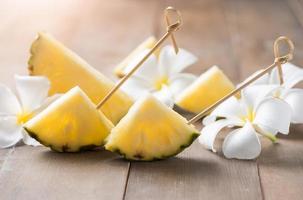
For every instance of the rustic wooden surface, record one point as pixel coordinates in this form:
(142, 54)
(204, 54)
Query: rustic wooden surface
(237, 35)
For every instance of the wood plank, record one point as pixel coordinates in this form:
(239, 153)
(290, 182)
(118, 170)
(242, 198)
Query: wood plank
(297, 9)
(101, 33)
(98, 31)
(255, 25)
(194, 174)
(197, 173)
(4, 153)
(38, 173)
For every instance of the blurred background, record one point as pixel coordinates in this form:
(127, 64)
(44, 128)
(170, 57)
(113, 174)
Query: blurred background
(237, 35)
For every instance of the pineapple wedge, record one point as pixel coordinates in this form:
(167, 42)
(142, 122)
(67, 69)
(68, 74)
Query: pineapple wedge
(70, 124)
(146, 44)
(150, 131)
(206, 90)
(66, 70)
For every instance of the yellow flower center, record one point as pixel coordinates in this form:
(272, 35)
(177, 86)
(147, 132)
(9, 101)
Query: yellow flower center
(23, 117)
(250, 116)
(277, 94)
(159, 83)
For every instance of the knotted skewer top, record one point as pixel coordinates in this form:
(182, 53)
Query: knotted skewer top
(169, 10)
(278, 61)
(169, 31)
(287, 57)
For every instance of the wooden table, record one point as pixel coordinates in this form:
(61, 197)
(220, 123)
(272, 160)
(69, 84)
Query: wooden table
(237, 35)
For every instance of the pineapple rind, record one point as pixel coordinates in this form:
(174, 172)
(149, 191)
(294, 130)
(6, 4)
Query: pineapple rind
(84, 128)
(193, 137)
(150, 131)
(64, 148)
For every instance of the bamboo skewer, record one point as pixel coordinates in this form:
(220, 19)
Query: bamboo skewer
(170, 29)
(277, 54)
(167, 10)
(279, 60)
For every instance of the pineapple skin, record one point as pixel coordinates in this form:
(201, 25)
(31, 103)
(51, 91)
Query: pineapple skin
(66, 70)
(205, 91)
(150, 131)
(70, 124)
(156, 158)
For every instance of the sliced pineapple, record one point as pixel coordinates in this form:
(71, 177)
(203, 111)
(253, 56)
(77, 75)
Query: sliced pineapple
(146, 44)
(206, 90)
(70, 124)
(150, 131)
(66, 70)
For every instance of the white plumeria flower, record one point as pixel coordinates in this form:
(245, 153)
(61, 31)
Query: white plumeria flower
(32, 92)
(292, 75)
(251, 116)
(161, 76)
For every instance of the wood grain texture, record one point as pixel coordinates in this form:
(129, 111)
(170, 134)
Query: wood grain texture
(38, 173)
(194, 174)
(237, 35)
(255, 25)
(198, 173)
(100, 33)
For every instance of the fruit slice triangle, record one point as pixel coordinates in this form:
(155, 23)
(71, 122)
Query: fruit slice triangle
(146, 44)
(66, 70)
(150, 131)
(206, 90)
(70, 124)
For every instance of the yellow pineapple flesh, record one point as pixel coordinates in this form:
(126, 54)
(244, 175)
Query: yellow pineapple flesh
(66, 70)
(146, 44)
(70, 124)
(150, 131)
(206, 90)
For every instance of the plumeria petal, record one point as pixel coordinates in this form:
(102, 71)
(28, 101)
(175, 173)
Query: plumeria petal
(165, 96)
(209, 119)
(10, 132)
(210, 132)
(178, 82)
(148, 70)
(28, 140)
(267, 130)
(172, 63)
(32, 91)
(291, 75)
(242, 143)
(274, 113)
(9, 104)
(294, 80)
(230, 108)
(45, 104)
(294, 97)
(253, 95)
(136, 87)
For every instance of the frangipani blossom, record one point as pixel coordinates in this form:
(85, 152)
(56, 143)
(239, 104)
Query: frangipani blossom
(251, 116)
(161, 76)
(32, 92)
(292, 75)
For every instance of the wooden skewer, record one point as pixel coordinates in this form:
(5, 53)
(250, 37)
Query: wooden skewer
(166, 14)
(277, 55)
(170, 29)
(279, 60)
